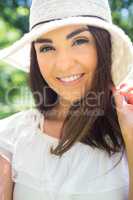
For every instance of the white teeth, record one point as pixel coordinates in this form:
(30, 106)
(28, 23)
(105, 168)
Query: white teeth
(72, 78)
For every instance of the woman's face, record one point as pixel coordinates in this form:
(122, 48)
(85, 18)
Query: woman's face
(65, 52)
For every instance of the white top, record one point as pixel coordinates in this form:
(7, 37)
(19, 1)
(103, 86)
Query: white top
(82, 173)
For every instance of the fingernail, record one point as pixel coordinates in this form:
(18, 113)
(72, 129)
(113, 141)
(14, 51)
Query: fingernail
(122, 85)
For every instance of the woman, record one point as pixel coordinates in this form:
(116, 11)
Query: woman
(77, 141)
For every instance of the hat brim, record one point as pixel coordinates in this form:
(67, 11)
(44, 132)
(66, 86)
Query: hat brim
(18, 55)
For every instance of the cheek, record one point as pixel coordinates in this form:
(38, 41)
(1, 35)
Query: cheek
(88, 59)
(44, 65)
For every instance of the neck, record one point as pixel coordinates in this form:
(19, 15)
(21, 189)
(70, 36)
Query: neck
(59, 112)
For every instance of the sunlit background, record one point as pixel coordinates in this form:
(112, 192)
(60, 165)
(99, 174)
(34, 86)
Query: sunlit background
(14, 92)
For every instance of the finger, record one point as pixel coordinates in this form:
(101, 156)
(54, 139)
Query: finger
(126, 89)
(119, 100)
(130, 89)
(123, 85)
(128, 96)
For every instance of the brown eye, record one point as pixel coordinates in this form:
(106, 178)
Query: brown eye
(81, 41)
(46, 48)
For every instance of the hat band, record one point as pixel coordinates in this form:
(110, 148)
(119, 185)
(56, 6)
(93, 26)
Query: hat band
(42, 22)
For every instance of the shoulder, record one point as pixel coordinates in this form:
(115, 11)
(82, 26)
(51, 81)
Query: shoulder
(11, 128)
(11, 119)
(16, 119)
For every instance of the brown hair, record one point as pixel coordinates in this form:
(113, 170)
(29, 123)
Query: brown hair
(96, 126)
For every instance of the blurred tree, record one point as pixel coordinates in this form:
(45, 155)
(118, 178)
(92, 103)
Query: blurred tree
(13, 82)
(122, 13)
(15, 13)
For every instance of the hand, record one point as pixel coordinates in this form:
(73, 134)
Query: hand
(124, 108)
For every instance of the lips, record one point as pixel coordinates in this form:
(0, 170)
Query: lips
(69, 76)
(71, 82)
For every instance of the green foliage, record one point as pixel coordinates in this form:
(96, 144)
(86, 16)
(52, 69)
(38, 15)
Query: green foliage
(122, 13)
(13, 82)
(14, 91)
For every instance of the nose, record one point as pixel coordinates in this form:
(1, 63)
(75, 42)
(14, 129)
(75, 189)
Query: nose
(64, 61)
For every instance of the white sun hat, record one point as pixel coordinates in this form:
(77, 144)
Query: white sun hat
(47, 15)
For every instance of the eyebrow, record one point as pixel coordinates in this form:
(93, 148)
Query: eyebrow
(70, 35)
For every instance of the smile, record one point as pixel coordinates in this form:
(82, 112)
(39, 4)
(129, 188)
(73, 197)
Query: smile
(72, 79)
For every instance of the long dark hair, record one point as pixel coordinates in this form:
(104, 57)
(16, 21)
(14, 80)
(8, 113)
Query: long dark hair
(96, 126)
